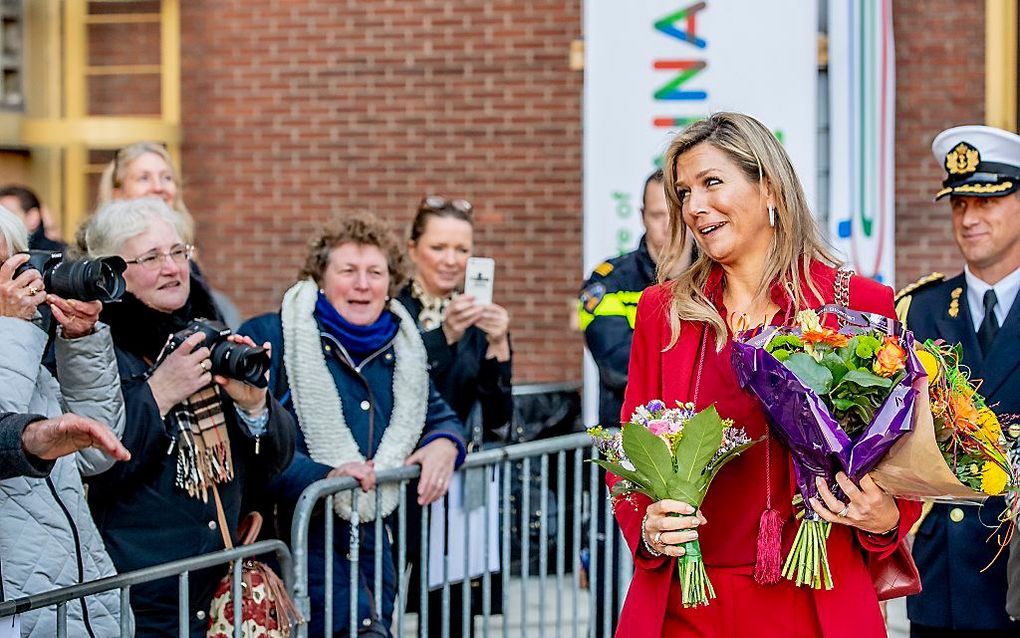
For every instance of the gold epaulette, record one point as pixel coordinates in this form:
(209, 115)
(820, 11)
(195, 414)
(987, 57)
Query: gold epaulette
(920, 283)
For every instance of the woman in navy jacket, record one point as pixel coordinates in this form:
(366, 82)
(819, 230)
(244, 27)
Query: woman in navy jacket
(350, 364)
(159, 507)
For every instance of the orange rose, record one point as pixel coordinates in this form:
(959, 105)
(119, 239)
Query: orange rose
(827, 336)
(890, 358)
(965, 413)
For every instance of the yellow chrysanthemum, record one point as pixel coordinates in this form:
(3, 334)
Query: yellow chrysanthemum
(993, 479)
(930, 363)
(988, 424)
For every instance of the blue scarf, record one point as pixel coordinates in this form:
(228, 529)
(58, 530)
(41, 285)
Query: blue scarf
(358, 341)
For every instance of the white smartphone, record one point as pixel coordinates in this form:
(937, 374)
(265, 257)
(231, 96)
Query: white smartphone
(478, 279)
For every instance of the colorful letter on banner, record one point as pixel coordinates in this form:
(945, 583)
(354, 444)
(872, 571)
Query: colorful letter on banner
(654, 66)
(862, 98)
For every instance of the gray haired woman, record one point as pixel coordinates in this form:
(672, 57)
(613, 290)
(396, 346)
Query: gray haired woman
(47, 536)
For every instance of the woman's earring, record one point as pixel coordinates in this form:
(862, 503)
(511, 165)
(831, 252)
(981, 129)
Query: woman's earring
(772, 216)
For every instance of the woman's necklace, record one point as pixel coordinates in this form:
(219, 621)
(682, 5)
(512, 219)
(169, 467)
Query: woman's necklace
(433, 308)
(739, 321)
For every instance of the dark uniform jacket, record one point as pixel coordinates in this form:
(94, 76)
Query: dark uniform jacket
(950, 548)
(607, 311)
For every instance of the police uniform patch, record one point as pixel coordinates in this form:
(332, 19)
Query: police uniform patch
(604, 269)
(592, 296)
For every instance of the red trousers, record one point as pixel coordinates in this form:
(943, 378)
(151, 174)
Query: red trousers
(743, 609)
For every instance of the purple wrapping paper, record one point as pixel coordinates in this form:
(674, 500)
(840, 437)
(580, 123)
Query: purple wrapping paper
(800, 419)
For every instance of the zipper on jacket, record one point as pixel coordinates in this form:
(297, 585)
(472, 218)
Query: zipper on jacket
(77, 551)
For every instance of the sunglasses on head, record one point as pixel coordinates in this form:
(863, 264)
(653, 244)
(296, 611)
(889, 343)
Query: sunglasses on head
(439, 203)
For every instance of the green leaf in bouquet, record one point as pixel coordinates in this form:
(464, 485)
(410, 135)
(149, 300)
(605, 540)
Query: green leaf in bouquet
(835, 365)
(866, 379)
(649, 455)
(781, 355)
(702, 436)
(639, 480)
(810, 372)
(713, 469)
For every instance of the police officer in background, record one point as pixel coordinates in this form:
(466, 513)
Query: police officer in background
(977, 309)
(609, 301)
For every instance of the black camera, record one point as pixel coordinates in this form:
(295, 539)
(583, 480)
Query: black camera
(229, 359)
(83, 279)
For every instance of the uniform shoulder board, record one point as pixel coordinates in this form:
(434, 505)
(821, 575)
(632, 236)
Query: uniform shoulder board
(920, 283)
(604, 269)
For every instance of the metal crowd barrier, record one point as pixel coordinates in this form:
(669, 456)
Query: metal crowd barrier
(180, 568)
(559, 610)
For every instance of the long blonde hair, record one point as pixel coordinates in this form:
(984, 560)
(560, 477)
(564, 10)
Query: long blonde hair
(797, 241)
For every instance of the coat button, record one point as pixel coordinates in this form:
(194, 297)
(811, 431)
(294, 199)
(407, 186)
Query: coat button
(365, 405)
(329, 349)
(200, 614)
(956, 514)
(389, 356)
(366, 622)
(212, 524)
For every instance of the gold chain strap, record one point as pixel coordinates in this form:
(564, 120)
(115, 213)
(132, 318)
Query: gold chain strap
(842, 288)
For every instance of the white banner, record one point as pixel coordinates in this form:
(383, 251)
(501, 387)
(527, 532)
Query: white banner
(652, 67)
(862, 98)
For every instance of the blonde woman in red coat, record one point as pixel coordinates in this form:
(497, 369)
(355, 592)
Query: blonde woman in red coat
(762, 259)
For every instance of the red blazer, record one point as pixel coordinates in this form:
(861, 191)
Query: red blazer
(850, 609)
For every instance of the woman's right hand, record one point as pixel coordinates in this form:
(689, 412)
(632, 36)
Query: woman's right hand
(669, 524)
(183, 373)
(19, 296)
(461, 314)
(364, 472)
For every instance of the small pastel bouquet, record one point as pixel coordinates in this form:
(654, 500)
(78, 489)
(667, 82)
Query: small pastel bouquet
(838, 399)
(672, 453)
(958, 449)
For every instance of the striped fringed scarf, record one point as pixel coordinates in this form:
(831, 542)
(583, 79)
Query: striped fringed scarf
(203, 448)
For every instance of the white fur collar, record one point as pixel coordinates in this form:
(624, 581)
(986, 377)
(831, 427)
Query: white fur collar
(319, 409)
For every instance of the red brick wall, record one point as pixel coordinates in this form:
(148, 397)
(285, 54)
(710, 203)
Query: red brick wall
(940, 69)
(293, 111)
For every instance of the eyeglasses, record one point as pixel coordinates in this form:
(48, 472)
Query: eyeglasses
(438, 203)
(154, 259)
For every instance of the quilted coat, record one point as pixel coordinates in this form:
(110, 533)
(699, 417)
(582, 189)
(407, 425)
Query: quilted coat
(47, 536)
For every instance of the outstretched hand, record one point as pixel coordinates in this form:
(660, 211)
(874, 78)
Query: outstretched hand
(53, 438)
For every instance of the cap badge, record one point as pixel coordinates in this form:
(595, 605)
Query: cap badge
(962, 160)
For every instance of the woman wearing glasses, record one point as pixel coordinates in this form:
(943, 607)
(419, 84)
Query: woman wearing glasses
(468, 345)
(196, 438)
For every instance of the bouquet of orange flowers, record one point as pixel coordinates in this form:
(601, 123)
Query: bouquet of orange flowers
(958, 450)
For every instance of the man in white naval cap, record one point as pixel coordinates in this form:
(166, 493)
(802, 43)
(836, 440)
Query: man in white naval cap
(977, 309)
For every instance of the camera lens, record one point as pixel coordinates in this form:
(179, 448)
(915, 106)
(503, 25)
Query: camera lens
(241, 362)
(88, 279)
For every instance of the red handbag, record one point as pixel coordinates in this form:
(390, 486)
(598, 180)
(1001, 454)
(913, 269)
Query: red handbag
(895, 575)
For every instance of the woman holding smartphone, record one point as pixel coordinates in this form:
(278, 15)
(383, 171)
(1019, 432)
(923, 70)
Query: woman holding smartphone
(468, 346)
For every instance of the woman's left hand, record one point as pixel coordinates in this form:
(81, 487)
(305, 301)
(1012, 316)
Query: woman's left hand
(869, 509)
(436, 460)
(247, 397)
(78, 318)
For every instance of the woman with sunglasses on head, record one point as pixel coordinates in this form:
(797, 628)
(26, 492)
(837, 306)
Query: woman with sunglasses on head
(468, 347)
(201, 442)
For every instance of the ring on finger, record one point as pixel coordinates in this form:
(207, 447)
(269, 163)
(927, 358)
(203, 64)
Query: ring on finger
(206, 365)
(843, 512)
(657, 539)
(33, 291)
